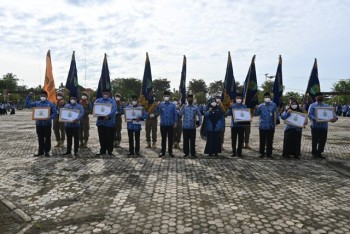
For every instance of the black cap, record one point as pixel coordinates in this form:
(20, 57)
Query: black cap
(190, 95)
(239, 95)
(267, 94)
(84, 93)
(43, 93)
(72, 96)
(318, 94)
(106, 90)
(133, 96)
(166, 93)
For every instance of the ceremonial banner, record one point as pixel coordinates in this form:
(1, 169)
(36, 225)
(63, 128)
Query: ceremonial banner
(229, 89)
(250, 87)
(72, 79)
(278, 84)
(182, 87)
(146, 97)
(313, 85)
(105, 81)
(49, 83)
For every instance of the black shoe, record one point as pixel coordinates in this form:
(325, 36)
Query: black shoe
(233, 155)
(76, 153)
(262, 156)
(137, 153)
(297, 156)
(270, 156)
(110, 153)
(161, 155)
(67, 153)
(216, 155)
(47, 155)
(171, 155)
(100, 154)
(210, 155)
(38, 154)
(130, 153)
(321, 156)
(240, 155)
(193, 155)
(185, 155)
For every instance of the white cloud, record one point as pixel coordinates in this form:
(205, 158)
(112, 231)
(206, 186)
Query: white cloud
(202, 30)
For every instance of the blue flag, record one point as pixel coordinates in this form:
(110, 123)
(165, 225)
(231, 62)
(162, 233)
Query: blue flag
(72, 79)
(229, 90)
(250, 88)
(313, 86)
(105, 81)
(182, 87)
(146, 98)
(278, 84)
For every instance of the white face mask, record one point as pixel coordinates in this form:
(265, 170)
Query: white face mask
(117, 98)
(73, 101)
(267, 99)
(213, 104)
(43, 99)
(294, 106)
(166, 99)
(218, 100)
(84, 97)
(59, 97)
(134, 103)
(239, 101)
(105, 96)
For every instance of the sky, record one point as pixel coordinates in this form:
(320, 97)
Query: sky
(202, 30)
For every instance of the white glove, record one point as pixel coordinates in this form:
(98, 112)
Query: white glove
(151, 116)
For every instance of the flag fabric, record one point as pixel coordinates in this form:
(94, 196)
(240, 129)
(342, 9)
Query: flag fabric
(72, 79)
(105, 81)
(313, 85)
(250, 88)
(182, 87)
(278, 84)
(146, 97)
(229, 89)
(49, 83)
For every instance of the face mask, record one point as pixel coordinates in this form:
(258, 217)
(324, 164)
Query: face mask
(134, 103)
(267, 99)
(213, 104)
(320, 99)
(43, 99)
(84, 97)
(59, 97)
(239, 101)
(218, 100)
(105, 96)
(166, 99)
(117, 98)
(294, 106)
(73, 101)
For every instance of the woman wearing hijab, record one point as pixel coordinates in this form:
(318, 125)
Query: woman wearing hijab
(292, 134)
(214, 124)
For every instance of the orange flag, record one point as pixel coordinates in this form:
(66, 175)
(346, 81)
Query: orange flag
(49, 83)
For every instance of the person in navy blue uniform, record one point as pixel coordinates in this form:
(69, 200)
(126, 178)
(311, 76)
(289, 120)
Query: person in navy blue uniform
(319, 130)
(214, 124)
(72, 129)
(134, 129)
(43, 127)
(237, 128)
(292, 134)
(168, 119)
(189, 125)
(106, 125)
(269, 115)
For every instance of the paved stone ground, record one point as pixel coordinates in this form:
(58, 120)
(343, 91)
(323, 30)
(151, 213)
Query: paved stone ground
(146, 194)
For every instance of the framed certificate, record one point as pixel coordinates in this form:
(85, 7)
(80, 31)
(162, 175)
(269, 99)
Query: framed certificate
(68, 115)
(133, 112)
(324, 114)
(41, 113)
(241, 115)
(102, 109)
(297, 119)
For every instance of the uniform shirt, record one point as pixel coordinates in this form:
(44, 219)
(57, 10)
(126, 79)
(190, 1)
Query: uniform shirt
(229, 112)
(312, 116)
(188, 114)
(53, 111)
(111, 121)
(168, 114)
(80, 116)
(267, 112)
(284, 116)
(136, 127)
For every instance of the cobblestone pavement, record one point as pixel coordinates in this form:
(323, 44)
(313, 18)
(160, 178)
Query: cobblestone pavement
(146, 194)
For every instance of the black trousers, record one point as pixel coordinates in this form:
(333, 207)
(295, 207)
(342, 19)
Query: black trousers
(291, 142)
(72, 133)
(131, 135)
(319, 138)
(106, 138)
(237, 132)
(189, 136)
(266, 140)
(167, 132)
(44, 138)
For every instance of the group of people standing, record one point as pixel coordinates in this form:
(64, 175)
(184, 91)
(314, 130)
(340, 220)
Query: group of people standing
(175, 120)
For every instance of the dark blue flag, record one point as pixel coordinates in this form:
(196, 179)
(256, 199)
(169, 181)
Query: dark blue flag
(250, 88)
(313, 85)
(229, 89)
(146, 98)
(278, 84)
(105, 81)
(182, 87)
(72, 79)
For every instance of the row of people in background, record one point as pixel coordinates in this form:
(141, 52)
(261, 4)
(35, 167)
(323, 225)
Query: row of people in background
(7, 107)
(343, 110)
(175, 120)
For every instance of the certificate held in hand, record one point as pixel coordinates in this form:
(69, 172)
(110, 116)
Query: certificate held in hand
(41, 113)
(102, 109)
(324, 114)
(297, 119)
(68, 115)
(241, 115)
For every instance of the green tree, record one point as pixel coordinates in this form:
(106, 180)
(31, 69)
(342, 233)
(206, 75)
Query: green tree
(126, 86)
(296, 95)
(341, 86)
(215, 87)
(159, 86)
(197, 86)
(239, 87)
(267, 86)
(9, 81)
(201, 98)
